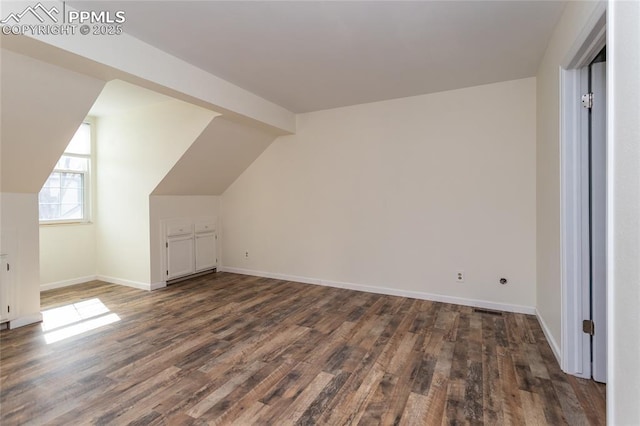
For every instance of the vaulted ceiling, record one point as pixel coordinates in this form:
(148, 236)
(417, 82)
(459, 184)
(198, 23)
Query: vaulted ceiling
(303, 56)
(215, 159)
(42, 107)
(310, 55)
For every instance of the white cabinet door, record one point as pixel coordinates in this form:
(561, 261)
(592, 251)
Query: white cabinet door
(180, 260)
(5, 289)
(205, 251)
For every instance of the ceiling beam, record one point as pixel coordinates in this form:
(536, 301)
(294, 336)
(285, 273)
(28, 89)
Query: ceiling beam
(129, 59)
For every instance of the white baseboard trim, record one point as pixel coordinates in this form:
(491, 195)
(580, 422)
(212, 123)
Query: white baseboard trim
(25, 320)
(388, 291)
(161, 284)
(67, 283)
(552, 342)
(135, 284)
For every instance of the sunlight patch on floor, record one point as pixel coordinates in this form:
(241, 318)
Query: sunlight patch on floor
(74, 319)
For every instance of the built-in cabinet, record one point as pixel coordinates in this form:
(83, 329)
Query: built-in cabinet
(190, 246)
(205, 251)
(6, 289)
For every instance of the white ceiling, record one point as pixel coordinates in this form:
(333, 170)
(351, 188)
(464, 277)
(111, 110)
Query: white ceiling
(308, 55)
(118, 96)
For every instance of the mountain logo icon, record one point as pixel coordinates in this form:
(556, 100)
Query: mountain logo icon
(38, 11)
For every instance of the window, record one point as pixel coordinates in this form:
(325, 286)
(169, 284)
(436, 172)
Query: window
(65, 195)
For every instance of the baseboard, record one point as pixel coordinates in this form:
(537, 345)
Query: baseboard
(67, 283)
(25, 320)
(552, 342)
(155, 286)
(388, 291)
(135, 284)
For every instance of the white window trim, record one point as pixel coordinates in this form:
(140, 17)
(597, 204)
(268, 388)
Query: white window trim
(87, 184)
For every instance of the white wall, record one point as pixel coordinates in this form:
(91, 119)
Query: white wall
(135, 150)
(67, 254)
(57, 100)
(398, 195)
(163, 207)
(68, 251)
(623, 389)
(19, 239)
(571, 24)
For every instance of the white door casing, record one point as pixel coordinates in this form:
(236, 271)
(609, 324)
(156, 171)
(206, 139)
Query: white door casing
(575, 346)
(598, 146)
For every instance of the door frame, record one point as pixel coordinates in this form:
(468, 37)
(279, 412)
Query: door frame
(575, 357)
(598, 223)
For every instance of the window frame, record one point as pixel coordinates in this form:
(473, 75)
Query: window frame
(87, 183)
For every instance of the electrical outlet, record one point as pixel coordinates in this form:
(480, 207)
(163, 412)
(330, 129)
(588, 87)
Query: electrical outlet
(460, 276)
(246, 254)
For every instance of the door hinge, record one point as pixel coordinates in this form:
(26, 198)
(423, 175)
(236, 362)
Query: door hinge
(167, 272)
(8, 308)
(587, 100)
(8, 267)
(588, 327)
(166, 244)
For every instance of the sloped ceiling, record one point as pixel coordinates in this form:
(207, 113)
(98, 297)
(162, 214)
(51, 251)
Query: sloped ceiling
(42, 107)
(313, 55)
(119, 96)
(215, 160)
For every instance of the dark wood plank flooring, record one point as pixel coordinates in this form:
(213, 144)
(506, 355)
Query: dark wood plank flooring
(233, 349)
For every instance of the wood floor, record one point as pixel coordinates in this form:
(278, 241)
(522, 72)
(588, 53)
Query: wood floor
(232, 349)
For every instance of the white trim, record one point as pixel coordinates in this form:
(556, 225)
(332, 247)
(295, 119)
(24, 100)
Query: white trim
(590, 41)
(575, 345)
(161, 284)
(25, 320)
(615, 344)
(547, 333)
(135, 284)
(388, 291)
(574, 194)
(88, 189)
(67, 283)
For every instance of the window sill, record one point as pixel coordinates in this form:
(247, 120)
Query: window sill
(65, 223)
